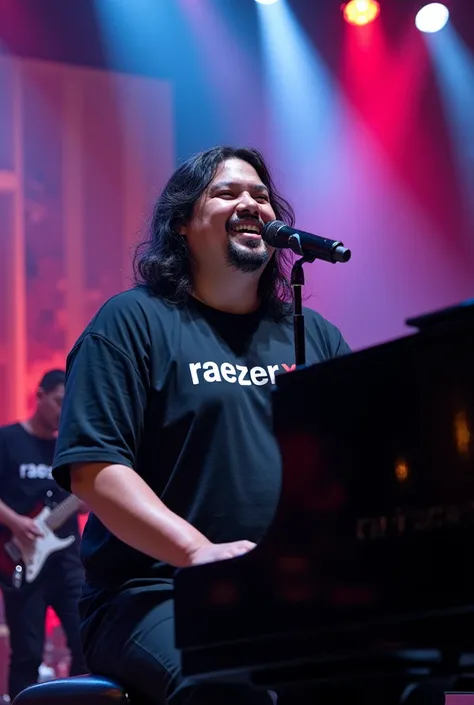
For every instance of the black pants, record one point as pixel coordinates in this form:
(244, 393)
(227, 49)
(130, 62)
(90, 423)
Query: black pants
(58, 586)
(131, 639)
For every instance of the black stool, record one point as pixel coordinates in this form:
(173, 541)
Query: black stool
(77, 690)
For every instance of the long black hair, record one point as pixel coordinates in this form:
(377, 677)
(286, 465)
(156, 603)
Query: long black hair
(162, 261)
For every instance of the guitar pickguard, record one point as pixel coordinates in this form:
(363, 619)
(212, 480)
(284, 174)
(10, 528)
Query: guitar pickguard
(44, 547)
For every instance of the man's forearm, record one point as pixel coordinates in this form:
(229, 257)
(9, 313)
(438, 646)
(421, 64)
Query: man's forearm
(7, 515)
(130, 509)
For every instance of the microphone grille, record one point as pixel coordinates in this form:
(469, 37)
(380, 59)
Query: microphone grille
(270, 231)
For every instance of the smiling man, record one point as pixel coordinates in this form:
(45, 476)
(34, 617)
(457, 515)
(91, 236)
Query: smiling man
(166, 428)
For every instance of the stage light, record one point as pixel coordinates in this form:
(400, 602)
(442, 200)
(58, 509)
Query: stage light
(361, 12)
(432, 17)
(266, 2)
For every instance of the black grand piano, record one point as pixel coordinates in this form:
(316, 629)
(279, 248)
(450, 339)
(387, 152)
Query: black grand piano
(368, 565)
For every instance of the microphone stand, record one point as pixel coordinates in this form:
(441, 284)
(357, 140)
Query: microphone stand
(297, 282)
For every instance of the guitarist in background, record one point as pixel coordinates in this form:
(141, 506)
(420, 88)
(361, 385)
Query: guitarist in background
(26, 485)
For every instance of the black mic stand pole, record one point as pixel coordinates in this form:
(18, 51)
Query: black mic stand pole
(297, 282)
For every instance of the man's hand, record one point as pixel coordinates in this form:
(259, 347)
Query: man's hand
(25, 531)
(211, 552)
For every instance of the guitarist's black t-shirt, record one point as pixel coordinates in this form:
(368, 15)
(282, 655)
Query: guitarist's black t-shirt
(26, 482)
(181, 394)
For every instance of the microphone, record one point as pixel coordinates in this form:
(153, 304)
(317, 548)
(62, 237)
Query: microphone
(279, 235)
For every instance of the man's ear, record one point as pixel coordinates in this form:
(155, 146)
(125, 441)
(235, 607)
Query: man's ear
(181, 229)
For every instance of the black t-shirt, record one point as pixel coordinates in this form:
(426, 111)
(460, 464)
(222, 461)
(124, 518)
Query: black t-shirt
(183, 396)
(26, 480)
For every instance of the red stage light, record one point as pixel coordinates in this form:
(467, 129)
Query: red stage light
(361, 12)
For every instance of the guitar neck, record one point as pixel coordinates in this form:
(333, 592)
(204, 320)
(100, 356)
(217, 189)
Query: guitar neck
(62, 512)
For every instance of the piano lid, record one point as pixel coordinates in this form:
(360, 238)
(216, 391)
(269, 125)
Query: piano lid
(461, 313)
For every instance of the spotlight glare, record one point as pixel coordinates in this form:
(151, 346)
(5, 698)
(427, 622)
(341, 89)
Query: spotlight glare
(361, 12)
(432, 17)
(266, 2)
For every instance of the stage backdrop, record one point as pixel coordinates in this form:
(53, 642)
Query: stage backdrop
(83, 153)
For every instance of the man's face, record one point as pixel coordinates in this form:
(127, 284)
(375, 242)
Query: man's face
(224, 229)
(49, 406)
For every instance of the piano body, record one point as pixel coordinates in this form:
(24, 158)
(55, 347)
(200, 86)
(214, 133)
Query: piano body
(371, 551)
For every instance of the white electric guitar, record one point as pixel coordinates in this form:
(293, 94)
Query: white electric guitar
(19, 565)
